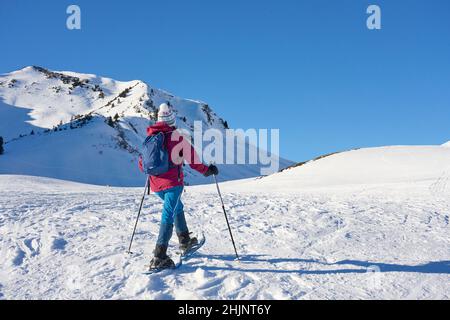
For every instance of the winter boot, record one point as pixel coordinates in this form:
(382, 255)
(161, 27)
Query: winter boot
(186, 242)
(161, 260)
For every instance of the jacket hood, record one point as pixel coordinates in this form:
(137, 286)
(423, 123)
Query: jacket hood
(159, 127)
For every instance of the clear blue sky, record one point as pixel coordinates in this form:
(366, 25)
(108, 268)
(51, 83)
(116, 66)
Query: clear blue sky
(310, 68)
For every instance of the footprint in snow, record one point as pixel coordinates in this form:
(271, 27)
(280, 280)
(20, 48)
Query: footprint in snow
(18, 259)
(32, 246)
(59, 244)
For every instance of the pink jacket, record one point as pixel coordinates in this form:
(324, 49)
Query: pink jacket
(174, 177)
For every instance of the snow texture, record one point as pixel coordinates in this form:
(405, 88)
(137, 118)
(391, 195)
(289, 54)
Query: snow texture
(365, 224)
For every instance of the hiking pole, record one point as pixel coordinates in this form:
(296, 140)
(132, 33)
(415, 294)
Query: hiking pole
(226, 217)
(139, 213)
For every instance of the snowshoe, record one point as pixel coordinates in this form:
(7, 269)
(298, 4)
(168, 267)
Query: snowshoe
(161, 263)
(161, 260)
(186, 247)
(190, 247)
(158, 266)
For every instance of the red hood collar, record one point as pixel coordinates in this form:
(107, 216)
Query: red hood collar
(159, 127)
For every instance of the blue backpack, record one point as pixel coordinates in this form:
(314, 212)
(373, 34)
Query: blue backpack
(155, 157)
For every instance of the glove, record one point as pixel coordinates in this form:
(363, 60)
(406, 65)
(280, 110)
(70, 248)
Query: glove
(212, 170)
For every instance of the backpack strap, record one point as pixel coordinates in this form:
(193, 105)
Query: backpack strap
(171, 164)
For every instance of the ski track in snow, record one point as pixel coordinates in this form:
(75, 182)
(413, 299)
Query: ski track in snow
(69, 243)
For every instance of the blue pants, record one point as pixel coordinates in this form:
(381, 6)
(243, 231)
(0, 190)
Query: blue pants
(172, 213)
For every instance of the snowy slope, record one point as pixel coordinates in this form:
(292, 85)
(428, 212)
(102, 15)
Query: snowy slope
(395, 164)
(55, 125)
(370, 224)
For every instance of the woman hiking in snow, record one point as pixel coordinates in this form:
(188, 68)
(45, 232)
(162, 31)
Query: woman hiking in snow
(169, 187)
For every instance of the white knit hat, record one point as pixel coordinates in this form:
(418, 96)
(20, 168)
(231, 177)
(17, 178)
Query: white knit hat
(165, 114)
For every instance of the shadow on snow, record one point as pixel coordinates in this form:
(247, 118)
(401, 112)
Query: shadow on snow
(433, 267)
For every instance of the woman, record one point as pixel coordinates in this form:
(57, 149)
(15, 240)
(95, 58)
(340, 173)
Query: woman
(169, 187)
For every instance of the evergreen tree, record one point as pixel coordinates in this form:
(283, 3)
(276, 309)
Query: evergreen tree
(72, 118)
(110, 122)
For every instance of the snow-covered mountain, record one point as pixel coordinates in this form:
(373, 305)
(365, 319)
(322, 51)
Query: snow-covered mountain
(86, 128)
(364, 224)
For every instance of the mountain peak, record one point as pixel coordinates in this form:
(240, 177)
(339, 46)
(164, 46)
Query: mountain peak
(91, 125)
